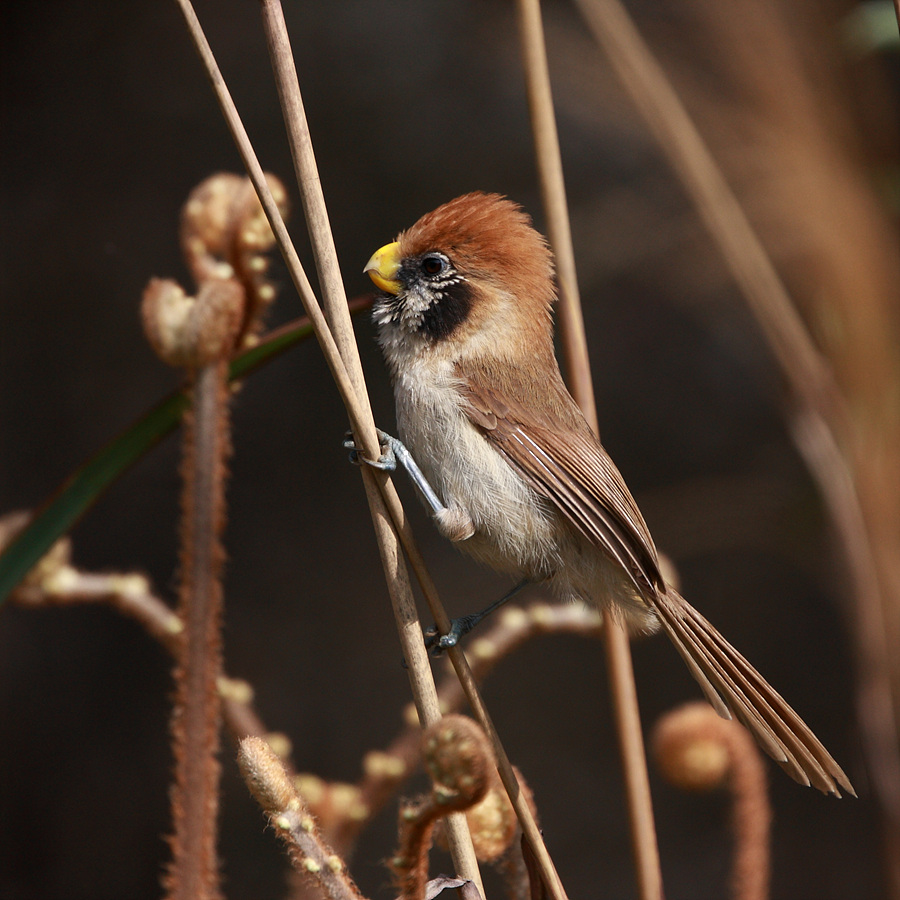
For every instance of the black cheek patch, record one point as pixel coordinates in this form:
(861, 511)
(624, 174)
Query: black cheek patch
(441, 319)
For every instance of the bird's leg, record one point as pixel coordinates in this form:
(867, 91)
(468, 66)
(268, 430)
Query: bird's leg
(453, 522)
(460, 627)
(394, 451)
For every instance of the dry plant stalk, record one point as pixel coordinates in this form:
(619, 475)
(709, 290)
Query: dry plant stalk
(363, 427)
(575, 352)
(222, 240)
(407, 618)
(384, 503)
(840, 251)
(698, 751)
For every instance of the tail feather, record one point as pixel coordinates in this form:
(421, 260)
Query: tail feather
(770, 716)
(783, 717)
(715, 677)
(732, 685)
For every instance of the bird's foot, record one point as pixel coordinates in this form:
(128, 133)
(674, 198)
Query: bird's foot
(437, 643)
(387, 462)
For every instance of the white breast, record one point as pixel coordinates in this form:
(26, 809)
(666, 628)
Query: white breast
(513, 527)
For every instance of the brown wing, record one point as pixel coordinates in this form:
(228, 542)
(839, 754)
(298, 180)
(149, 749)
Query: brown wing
(565, 463)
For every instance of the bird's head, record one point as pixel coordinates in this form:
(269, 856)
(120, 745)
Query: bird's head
(472, 275)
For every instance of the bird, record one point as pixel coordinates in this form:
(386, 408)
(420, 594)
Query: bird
(514, 474)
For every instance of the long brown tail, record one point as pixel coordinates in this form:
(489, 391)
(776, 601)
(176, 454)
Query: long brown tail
(734, 687)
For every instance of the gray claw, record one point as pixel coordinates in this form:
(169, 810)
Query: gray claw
(387, 462)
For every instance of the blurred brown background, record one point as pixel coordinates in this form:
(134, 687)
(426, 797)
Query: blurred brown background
(108, 122)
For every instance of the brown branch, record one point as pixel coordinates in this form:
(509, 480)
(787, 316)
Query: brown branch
(55, 582)
(193, 873)
(221, 238)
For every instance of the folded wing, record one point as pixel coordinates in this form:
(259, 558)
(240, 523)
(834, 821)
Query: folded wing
(564, 463)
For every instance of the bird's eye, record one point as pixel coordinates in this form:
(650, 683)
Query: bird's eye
(433, 265)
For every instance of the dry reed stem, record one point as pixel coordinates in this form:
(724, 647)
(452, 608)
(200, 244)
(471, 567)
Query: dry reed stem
(553, 196)
(634, 761)
(410, 628)
(338, 317)
(571, 322)
(698, 751)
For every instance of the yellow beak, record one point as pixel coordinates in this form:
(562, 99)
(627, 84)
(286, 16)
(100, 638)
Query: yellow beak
(383, 268)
